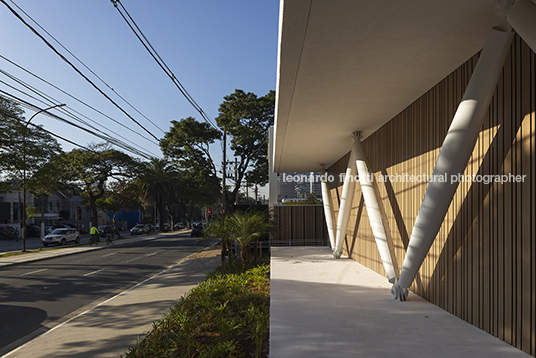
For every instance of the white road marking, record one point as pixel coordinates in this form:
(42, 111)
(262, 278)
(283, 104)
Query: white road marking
(154, 253)
(29, 273)
(113, 253)
(91, 273)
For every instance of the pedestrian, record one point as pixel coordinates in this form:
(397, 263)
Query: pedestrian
(93, 235)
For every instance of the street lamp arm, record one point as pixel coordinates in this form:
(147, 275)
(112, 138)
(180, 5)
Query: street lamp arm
(43, 110)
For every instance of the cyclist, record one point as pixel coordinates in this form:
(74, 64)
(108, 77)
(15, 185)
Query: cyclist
(94, 235)
(109, 232)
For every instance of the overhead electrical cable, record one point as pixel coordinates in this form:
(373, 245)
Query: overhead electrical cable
(55, 135)
(104, 137)
(79, 100)
(145, 42)
(52, 100)
(83, 64)
(76, 69)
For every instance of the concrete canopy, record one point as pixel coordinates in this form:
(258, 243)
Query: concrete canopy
(348, 65)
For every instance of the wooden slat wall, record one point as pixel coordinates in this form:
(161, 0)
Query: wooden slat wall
(482, 265)
(299, 225)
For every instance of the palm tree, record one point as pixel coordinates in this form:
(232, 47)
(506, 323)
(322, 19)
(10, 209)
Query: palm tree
(157, 181)
(249, 227)
(223, 229)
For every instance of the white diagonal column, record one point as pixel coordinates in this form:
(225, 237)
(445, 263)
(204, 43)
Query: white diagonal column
(455, 152)
(345, 207)
(328, 206)
(522, 17)
(376, 213)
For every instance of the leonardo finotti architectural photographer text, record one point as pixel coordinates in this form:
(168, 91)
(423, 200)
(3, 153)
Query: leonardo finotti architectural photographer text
(408, 178)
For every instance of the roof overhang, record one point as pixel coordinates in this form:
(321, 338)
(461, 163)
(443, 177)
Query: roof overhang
(352, 65)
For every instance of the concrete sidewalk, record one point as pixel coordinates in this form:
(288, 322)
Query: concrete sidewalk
(108, 329)
(321, 307)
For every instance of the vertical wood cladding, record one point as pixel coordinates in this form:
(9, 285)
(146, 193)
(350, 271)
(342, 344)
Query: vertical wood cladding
(300, 225)
(482, 265)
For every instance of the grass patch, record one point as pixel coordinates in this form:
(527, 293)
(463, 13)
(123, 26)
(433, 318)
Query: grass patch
(18, 253)
(225, 316)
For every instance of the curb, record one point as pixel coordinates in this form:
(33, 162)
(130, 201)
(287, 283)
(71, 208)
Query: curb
(87, 248)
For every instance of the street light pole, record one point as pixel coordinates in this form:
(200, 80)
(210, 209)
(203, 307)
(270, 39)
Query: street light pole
(24, 175)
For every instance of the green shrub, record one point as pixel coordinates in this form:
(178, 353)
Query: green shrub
(225, 316)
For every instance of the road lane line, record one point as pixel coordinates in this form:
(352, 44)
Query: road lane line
(91, 273)
(113, 253)
(103, 303)
(154, 253)
(36, 271)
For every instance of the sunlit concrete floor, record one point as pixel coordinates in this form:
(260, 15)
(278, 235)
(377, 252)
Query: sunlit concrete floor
(322, 307)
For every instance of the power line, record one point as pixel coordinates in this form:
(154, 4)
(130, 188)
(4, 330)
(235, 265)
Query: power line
(83, 64)
(145, 42)
(104, 137)
(76, 69)
(53, 100)
(78, 100)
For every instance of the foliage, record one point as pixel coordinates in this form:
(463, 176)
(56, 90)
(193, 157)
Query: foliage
(90, 169)
(120, 195)
(157, 181)
(247, 228)
(225, 316)
(24, 149)
(223, 229)
(187, 143)
(247, 118)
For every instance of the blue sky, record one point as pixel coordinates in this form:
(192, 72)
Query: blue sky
(212, 47)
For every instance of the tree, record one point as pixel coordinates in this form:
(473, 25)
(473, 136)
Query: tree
(187, 144)
(247, 118)
(223, 229)
(248, 227)
(91, 169)
(158, 181)
(119, 195)
(24, 150)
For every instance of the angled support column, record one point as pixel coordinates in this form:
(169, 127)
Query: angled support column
(328, 206)
(347, 197)
(522, 17)
(376, 214)
(455, 152)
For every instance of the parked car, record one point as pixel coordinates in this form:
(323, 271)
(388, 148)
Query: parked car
(139, 229)
(33, 231)
(61, 236)
(8, 232)
(82, 230)
(179, 226)
(166, 227)
(197, 230)
(104, 229)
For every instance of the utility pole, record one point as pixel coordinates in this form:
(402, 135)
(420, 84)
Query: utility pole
(236, 179)
(224, 171)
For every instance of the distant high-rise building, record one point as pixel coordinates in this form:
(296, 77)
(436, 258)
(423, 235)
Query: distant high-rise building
(298, 185)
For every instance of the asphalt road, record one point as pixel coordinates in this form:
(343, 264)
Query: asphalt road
(32, 243)
(35, 297)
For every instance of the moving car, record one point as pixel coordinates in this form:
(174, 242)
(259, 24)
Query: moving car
(105, 228)
(139, 229)
(197, 230)
(61, 236)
